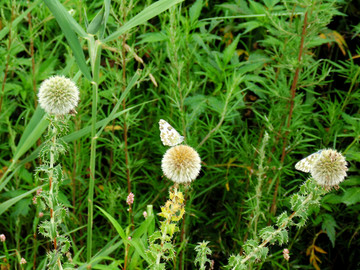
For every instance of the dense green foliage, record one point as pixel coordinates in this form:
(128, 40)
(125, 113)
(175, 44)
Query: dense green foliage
(222, 73)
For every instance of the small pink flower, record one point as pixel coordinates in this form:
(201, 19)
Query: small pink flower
(34, 200)
(38, 192)
(22, 261)
(129, 238)
(2, 237)
(41, 214)
(286, 254)
(145, 214)
(130, 198)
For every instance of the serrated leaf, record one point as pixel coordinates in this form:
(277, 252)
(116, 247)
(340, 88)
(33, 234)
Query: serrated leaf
(329, 225)
(195, 10)
(351, 196)
(230, 50)
(216, 104)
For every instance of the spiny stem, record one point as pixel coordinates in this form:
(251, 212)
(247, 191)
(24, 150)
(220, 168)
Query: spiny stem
(267, 240)
(51, 191)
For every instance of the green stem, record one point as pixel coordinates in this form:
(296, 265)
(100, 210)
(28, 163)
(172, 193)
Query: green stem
(95, 52)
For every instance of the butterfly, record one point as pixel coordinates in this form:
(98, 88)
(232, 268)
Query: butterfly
(306, 164)
(169, 136)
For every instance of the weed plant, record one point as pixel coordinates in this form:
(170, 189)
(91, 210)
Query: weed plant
(253, 86)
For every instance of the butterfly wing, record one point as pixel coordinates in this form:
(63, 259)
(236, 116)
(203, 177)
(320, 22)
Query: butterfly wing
(307, 163)
(169, 136)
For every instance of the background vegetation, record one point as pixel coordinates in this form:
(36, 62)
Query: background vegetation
(222, 73)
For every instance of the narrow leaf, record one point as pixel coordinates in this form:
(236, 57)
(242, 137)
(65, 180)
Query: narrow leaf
(230, 50)
(96, 23)
(6, 205)
(67, 25)
(32, 132)
(116, 224)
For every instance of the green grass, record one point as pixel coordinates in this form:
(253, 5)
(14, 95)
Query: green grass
(223, 74)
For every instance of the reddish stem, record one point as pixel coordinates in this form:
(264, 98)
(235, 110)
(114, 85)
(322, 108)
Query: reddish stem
(293, 93)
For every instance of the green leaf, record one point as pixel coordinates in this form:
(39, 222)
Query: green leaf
(106, 17)
(152, 37)
(249, 26)
(32, 132)
(329, 225)
(116, 225)
(68, 25)
(145, 15)
(351, 196)
(96, 23)
(257, 7)
(195, 10)
(230, 50)
(143, 227)
(6, 205)
(270, 3)
(138, 244)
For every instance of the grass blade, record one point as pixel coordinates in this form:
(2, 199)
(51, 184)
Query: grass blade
(68, 25)
(6, 205)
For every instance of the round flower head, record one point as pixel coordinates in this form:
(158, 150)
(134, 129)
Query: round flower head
(181, 164)
(329, 169)
(58, 95)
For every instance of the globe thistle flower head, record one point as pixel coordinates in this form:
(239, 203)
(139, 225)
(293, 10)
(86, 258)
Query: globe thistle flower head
(58, 95)
(181, 164)
(329, 169)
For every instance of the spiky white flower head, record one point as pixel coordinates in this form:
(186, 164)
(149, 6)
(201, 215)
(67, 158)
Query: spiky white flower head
(58, 95)
(329, 169)
(181, 164)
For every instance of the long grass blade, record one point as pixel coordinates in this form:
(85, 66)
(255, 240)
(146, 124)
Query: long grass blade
(68, 25)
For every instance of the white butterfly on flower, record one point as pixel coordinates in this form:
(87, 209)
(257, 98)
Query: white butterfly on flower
(169, 136)
(306, 164)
